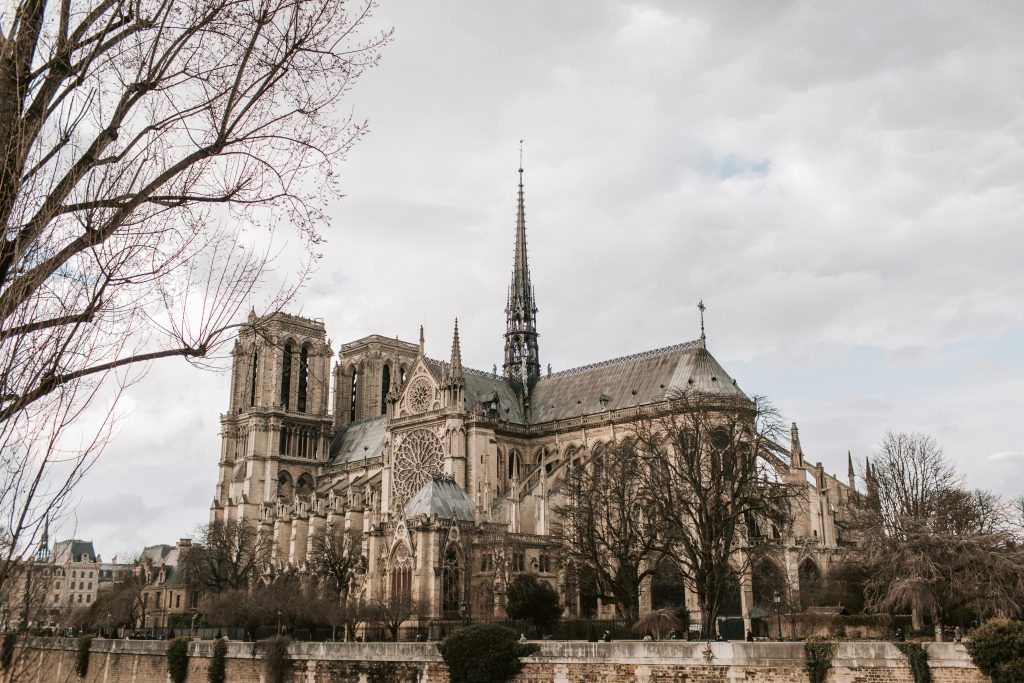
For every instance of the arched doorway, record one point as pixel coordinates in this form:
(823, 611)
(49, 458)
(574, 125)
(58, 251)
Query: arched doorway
(810, 584)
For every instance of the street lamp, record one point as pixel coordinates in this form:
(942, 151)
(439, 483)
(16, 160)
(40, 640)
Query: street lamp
(777, 599)
(108, 624)
(278, 622)
(192, 629)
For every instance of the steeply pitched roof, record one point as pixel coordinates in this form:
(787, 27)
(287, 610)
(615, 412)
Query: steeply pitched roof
(157, 554)
(630, 381)
(73, 550)
(357, 440)
(443, 497)
(482, 386)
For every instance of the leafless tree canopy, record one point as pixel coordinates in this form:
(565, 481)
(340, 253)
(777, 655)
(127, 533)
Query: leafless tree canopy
(693, 486)
(930, 543)
(338, 558)
(148, 151)
(227, 555)
(714, 484)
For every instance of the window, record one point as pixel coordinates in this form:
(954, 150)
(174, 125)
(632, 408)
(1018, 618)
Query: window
(252, 384)
(177, 600)
(303, 378)
(88, 598)
(286, 375)
(385, 384)
(56, 598)
(90, 585)
(81, 585)
(58, 584)
(485, 562)
(72, 575)
(355, 385)
(79, 598)
(544, 564)
(518, 562)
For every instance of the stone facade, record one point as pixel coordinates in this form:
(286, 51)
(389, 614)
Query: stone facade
(451, 472)
(557, 662)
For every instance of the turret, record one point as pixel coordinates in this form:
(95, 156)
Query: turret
(796, 453)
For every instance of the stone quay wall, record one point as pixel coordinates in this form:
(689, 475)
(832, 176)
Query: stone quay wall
(127, 661)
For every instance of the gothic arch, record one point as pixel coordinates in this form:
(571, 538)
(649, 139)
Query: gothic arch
(304, 485)
(400, 570)
(300, 399)
(452, 579)
(767, 578)
(285, 485)
(809, 574)
(287, 351)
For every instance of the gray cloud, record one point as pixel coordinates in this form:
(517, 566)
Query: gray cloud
(839, 183)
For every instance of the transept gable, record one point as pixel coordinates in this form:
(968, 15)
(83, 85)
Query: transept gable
(421, 393)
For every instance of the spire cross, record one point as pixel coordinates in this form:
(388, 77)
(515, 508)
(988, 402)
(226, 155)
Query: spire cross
(701, 307)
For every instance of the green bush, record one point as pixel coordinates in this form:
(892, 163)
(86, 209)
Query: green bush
(275, 657)
(7, 650)
(177, 659)
(484, 653)
(818, 658)
(82, 661)
(918, 658)
(997, 649)
(534, 601)
(215, 674)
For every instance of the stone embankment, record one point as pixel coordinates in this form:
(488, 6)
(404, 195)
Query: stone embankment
(128, 661)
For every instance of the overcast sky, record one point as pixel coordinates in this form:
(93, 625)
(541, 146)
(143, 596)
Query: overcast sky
(841, 183)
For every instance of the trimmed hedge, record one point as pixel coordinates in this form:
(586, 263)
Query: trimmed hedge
(177, 660)
(484, 653)
(216, 673)
(997, 649)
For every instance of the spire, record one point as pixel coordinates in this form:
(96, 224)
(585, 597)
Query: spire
(849, 470)
(43, 551)
(701, 307)
(522, 358)
(456, 352)
(421, 340)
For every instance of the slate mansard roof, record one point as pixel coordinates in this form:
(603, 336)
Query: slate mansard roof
(73, 550)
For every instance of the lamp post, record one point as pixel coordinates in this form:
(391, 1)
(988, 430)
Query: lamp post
(278, 622)
(108, 624)
(192, 629)
(777, 599)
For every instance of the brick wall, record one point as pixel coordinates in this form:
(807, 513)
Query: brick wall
(116, 661)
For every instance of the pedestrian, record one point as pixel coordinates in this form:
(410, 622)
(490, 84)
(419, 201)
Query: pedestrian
(522, 637)
(957, 634)
(607, 637)
(899, 634)
(750, 636)
(647, 638)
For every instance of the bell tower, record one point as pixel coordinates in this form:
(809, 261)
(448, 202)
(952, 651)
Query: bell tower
(276, 433)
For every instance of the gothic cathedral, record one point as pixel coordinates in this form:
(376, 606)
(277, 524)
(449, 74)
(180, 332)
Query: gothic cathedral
(450, 472)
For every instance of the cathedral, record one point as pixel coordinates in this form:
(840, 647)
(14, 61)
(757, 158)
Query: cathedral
(450, 472)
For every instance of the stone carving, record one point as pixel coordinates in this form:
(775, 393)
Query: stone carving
(419, 457)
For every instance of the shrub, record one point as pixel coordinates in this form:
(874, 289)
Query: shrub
(484, 653)
(918, 658)
(215, 674)
(7, 650)
(533, 601)
(997, 649)
(177, 659)
(82, 661)
(818, 658)
(275, 657)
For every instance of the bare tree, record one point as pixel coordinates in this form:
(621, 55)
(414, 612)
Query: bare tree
(149, 150)
(227, 555)
(931, 544)
(713, 482)
(393, 610)
(337, 555)
(607, 529)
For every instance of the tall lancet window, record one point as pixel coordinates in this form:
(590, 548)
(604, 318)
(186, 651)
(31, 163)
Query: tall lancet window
(385, 382)
(252, 385)
(300, 401)
(355, 387)
(286, 375)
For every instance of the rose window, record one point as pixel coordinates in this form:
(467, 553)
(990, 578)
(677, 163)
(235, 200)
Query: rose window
(419, 395)
(419, 457)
